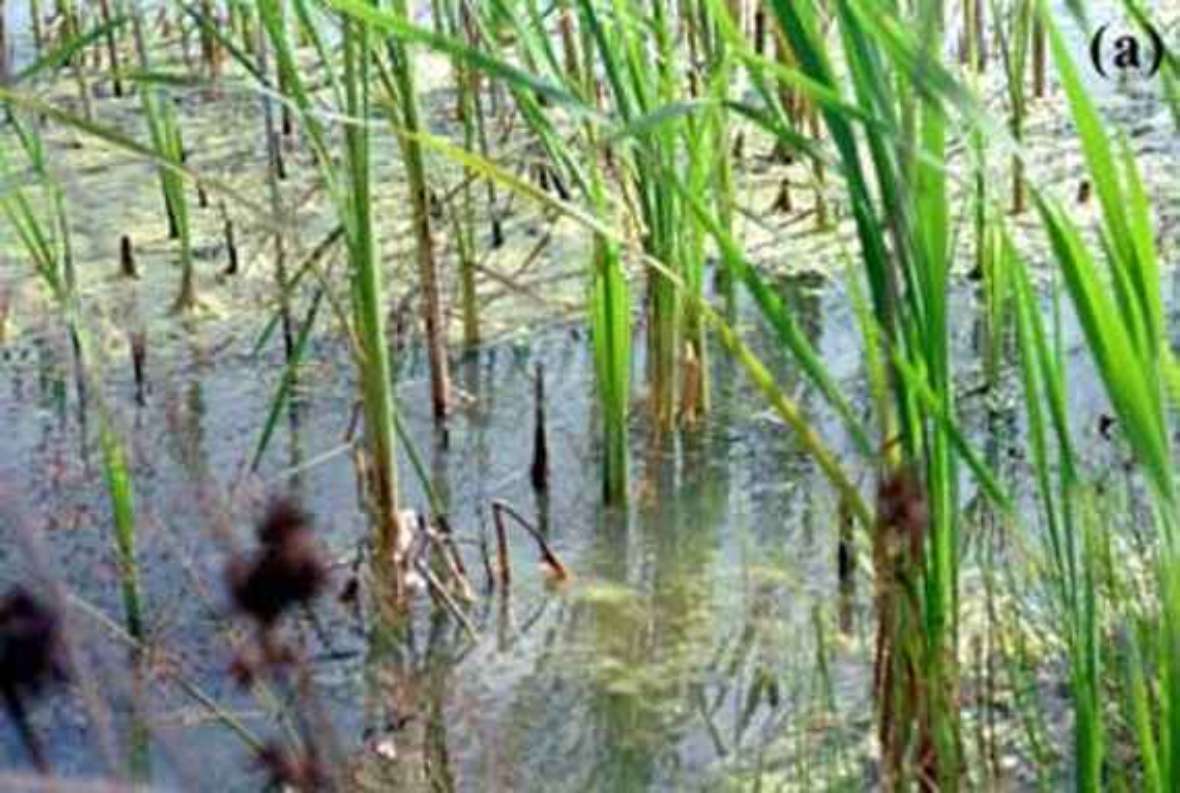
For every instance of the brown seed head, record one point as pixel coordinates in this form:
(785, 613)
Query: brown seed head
(286, 768)
(902, 508)
(286, 570)
(284, 518)
(30, 643)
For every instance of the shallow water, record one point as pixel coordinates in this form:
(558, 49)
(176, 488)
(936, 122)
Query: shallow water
(684, 654)
(653, 670)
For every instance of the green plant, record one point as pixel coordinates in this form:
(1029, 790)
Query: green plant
(46, 242)
(351, 193)
(403, 98)
(164, 131)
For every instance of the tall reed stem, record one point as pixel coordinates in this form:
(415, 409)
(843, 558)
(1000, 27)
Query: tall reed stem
(112, 48)
(428, 276)
(165, 136)
(369, 306)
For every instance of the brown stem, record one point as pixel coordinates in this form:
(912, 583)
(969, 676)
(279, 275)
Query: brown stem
(504, 568)
(1017, 185)
(760, 28)
(539, 473)
(210, 51)
(454, 563)
(1039, 55)
(499, 509)
(138, 359)
(443, 596)
(782, 202)
(127, 258)
(485, 557)
(231, 247)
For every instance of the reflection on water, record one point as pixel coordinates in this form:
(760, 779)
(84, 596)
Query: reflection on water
(602, 680)
(683, 654)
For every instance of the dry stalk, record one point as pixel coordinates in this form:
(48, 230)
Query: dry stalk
(499, 508)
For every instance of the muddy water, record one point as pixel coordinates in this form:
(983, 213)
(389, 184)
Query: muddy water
(705, 641)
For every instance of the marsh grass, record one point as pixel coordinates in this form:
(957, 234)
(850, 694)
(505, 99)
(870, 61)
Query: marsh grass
(1126, 337)
(351, 195)
(164, 132)
(44, 233)
(402, 97)
(629, 111)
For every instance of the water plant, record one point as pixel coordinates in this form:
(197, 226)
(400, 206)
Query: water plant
(45, 237)
(402, 95)
(351, 194)
(647, 146)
